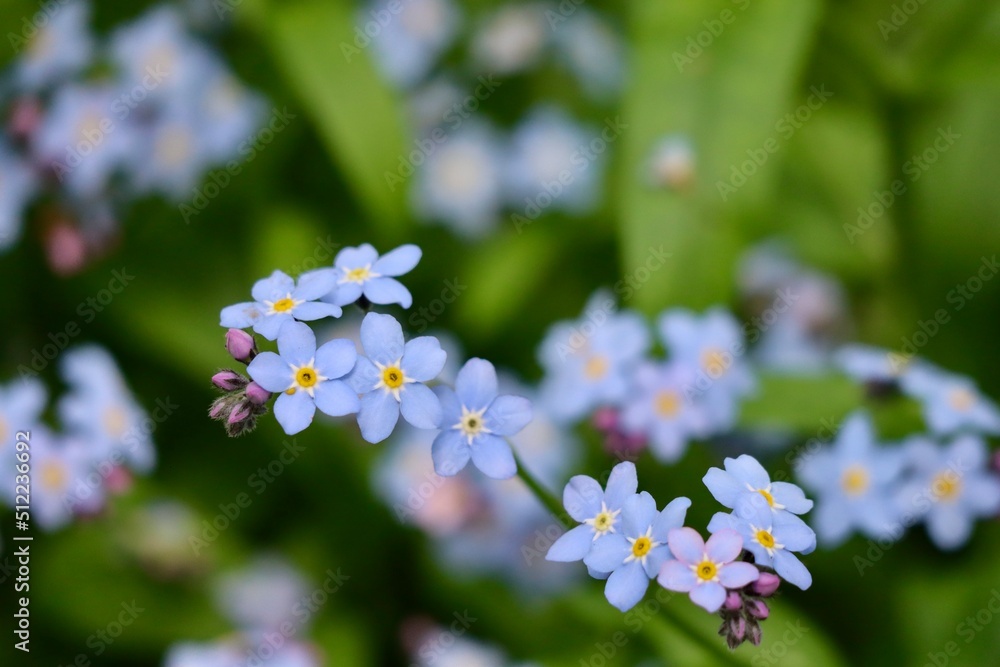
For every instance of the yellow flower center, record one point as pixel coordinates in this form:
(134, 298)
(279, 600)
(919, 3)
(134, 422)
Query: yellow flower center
(641, 547)
(946, 486)
(393, 377)
(855, 480)
(53, 475)
(471, 423)
(306, 377)
(765, 539)
(603, 522)
(115, 421)
(713, 360)
(283, 305)
(596, 367)
(668, 404)
(767, 496)
(706, 570)
(961, 399)
(358, 275)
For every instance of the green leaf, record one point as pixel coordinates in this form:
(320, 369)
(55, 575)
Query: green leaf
(727, 100)
(355, 112)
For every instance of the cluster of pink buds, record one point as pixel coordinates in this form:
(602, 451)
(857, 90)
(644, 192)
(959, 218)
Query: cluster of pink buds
(243, 401)
(744, 609)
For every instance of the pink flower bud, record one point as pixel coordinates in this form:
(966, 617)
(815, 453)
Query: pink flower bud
(606, 419)
(733, 602)
(241, 345)
(766, 585)
(228, 380)
(240, 413)
(257, 394)
(758, 609)
(218, 408)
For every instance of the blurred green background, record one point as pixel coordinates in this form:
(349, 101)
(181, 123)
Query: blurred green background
(322, 178)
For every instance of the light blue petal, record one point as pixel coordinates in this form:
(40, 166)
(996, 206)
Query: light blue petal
(363, 377)
(420, 406)
(276, 286)
(709, 596)
(399, 261)
(832, 522)
(677, 576)
(791, 496)
(791, 569)
(794, 534)
(450, 453)
(748, 470)
(345, 294)
(738, 575)
(724, 546)
(622, 484)
(294, 411)
(269, 326)
(655, 560)
(608, 553)
(384, 291)
(686, 545)
(271, 372)
(316, 310)
(508, 415)
(672, 516)
(638, 514)
(493, 456)
(378, 415)
(948, 526)
(356, 257)
(382, 338)
(240, 316)
(315, 285)
(451, 409)
(336, 398)
(572, 546)
(582, 497)
(724, 487)
(476, 384)
(423, 359)
(336, 358)
(626, 586)
(297, 343)
(722, 520)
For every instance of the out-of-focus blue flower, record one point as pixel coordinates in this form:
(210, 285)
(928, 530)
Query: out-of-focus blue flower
(588, 363)
(21, 406)
(547, 448)
(462, 652)
(18, 185)
(951, 403)
(597, 511)
(226, 111)
(59, 466)
(592, 51)
(62, 47)
(511, 39)
(866, 363)
(390, 379)
(672, 163)
(171, 155)
(771, 537)
(409, 37)
(949, 487)
(102, 412)
(204, 654)
(279, 299)
(361, 272)
(550, 166)
(307, 378)
(659, 409)
(706, 570)
(713, 344)
(460, 183)
(476, 420)
(635, 555)
(261, 596)
(83, 139)
(157, 53)
(855, 482)
(744, 476)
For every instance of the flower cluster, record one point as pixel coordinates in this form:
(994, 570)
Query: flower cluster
(599, 363)
(105, 437)
(95, 125)
(382, 381)
(623, 538)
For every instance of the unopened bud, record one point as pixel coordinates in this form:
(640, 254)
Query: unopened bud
(257, 394)
(766, 584)
(734, 601)
(758, 609)
(240, 413)
(241, 345)
(228, 380)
